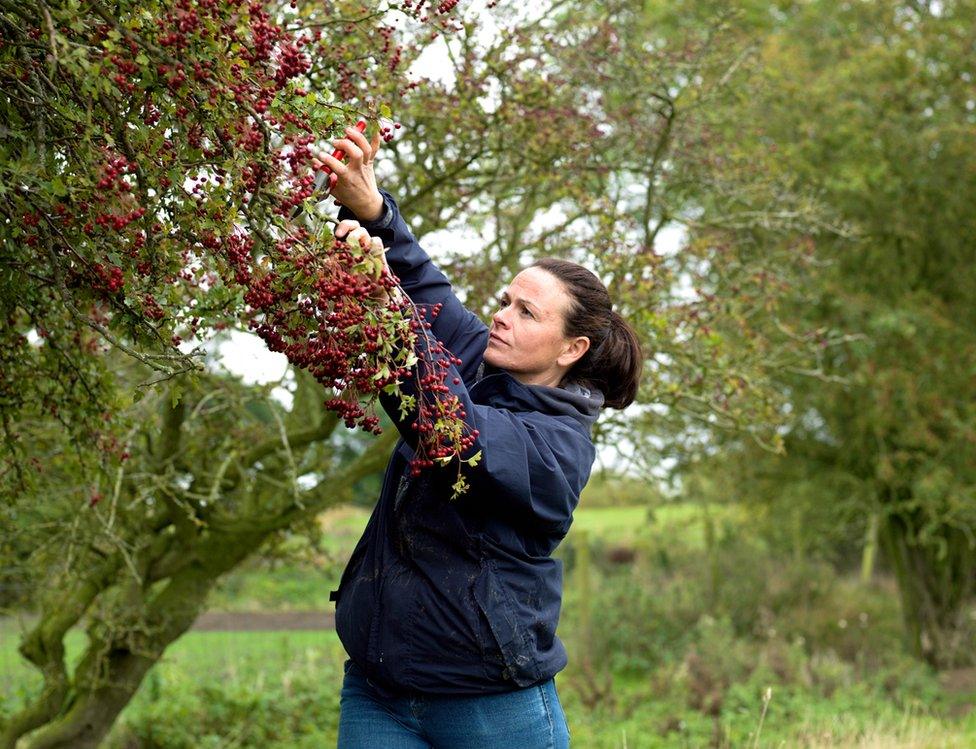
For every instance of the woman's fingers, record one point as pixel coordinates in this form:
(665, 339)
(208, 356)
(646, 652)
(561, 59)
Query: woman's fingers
(354, 145)
(365, 147)
(354, 154)
(350, 232)
(344, 227)
(359, 235)
(331, 162)
(351, 180)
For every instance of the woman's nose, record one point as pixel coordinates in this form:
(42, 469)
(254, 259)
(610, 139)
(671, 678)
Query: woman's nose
(499, 319)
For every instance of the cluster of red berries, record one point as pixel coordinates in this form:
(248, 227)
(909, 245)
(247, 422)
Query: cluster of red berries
(342, 350)
(386, 131)
(417, 8)
(113, 169)
(292, 62)
(353, 346)
(116, 221)
(110, 278)
(151, 308)
(447, 6)
(440, 419)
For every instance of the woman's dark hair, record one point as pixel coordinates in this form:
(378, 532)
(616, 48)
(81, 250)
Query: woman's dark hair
(614, 361)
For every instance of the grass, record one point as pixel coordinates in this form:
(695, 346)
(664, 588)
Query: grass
(628, 523)
(261, 586)
(280, 689)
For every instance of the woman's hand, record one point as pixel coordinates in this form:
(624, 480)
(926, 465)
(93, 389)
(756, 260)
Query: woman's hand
(351, 232)
(353, 183)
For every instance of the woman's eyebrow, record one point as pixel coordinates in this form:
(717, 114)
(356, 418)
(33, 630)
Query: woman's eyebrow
(527, 302)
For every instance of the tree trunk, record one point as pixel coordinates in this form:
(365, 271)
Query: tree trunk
(936, 585)
(142, 615)
(870, 552)
(92, 713)
(111, 670)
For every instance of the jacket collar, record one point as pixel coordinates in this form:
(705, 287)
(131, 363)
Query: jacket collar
(572, 399)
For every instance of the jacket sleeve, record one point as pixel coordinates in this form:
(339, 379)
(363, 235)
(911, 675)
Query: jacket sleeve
(533, 466)
(460, 330)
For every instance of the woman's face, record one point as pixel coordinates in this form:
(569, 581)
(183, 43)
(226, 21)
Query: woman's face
(526, 335)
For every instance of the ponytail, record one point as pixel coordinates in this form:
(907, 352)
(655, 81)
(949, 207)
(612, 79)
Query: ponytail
(616, 364)
(614, 361)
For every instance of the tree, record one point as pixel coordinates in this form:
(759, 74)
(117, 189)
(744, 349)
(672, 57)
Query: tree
(153, 158)
(870, 105)
(210, 479)
(153, 155)
(621, 115)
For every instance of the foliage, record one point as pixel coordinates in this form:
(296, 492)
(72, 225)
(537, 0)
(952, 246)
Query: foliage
(153, 158)
(680, 655)
(810, 161)
(870, 107)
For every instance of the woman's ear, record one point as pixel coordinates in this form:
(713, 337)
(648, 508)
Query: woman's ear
(574, 351)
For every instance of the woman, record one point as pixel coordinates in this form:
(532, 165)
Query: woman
(448, 610)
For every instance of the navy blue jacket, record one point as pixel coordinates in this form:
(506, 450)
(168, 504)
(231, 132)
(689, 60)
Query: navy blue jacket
(462, 597)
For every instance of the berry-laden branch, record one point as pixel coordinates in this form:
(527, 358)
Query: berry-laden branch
(354, 346)
(443, 432)
(153, 154)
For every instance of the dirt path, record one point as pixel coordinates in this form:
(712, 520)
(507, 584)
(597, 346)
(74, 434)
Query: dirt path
(243, 621)
(220, 621)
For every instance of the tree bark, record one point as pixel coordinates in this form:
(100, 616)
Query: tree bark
(111, 670)
(936, 584)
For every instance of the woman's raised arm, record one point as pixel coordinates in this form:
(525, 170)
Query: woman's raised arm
(354, 186)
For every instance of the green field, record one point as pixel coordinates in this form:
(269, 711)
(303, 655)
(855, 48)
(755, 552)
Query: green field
(261, 586)
(653, 661)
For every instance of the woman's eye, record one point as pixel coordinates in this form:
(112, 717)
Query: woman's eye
(525, 310)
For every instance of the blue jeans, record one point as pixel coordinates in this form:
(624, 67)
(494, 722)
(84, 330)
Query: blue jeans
(532, 718)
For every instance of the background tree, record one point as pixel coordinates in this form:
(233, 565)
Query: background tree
(870, 106)
(621, 113)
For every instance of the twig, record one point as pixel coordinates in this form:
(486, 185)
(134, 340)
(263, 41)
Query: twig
(767, 697)
(51, 34)
(293, 469)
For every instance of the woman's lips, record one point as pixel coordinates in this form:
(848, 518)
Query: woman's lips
(493, 337)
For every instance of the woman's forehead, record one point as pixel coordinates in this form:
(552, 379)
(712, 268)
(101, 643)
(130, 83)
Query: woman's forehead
(540, 288)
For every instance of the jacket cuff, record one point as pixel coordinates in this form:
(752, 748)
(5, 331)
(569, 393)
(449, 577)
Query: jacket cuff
(383, 222)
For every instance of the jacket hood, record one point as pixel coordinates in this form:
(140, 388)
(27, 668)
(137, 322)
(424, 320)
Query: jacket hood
(572, 399)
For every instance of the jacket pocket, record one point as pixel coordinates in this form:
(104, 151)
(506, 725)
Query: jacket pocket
(507, 634)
